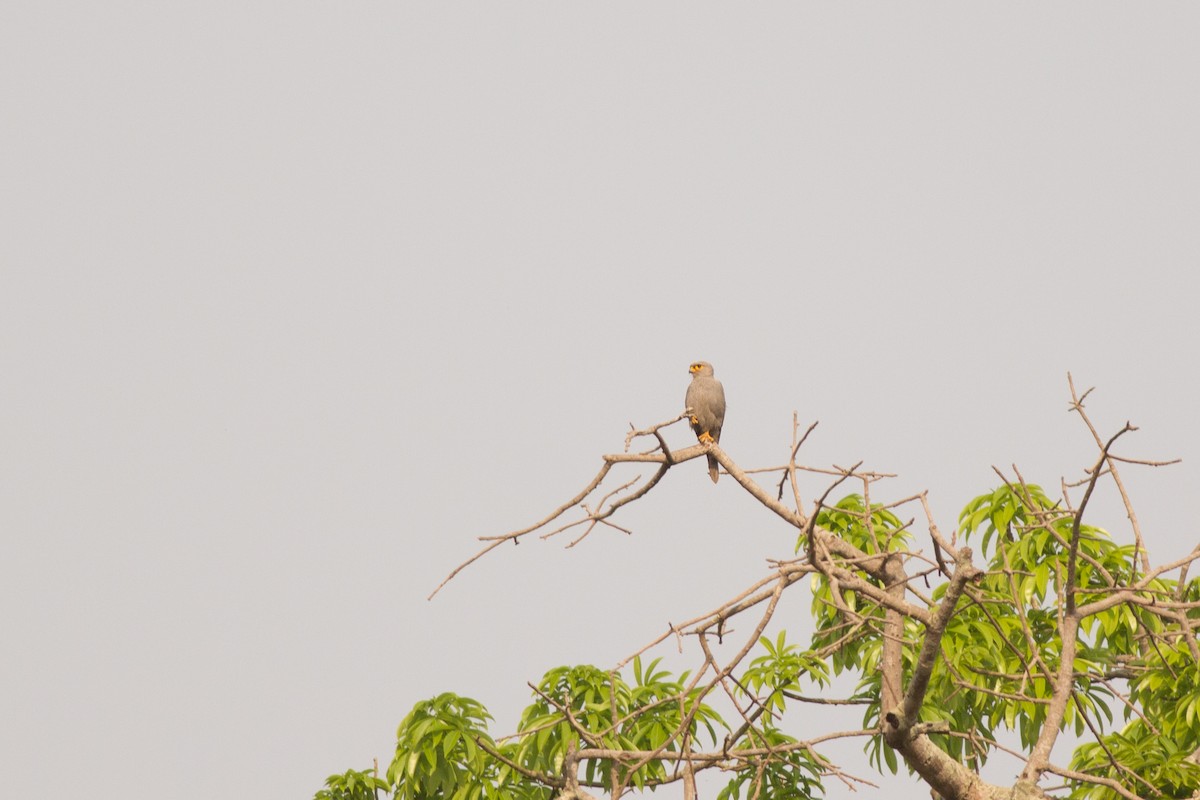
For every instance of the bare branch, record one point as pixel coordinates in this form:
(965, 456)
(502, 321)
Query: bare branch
(1039, 758)
(653, 430)
(496, 541)
(825, 701)
(1087, 494)
(1077, 406)
(790, 471)
(1083, 776)
(931, 648)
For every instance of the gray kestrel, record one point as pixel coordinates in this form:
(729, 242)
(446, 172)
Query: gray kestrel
(706, 399)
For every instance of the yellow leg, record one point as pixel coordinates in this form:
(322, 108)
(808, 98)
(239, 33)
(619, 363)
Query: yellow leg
(705, 437)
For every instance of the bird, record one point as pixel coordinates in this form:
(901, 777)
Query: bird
(706, 401)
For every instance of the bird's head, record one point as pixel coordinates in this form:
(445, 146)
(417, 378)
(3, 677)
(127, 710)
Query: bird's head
(702, 368)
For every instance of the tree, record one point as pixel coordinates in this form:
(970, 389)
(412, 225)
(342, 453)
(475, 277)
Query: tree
(1051, 626)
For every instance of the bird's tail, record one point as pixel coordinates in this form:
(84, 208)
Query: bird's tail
(713, 469)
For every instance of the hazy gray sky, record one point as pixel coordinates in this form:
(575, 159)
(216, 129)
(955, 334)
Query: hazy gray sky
(296, 300)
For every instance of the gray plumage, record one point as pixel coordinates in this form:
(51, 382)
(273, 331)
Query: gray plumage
(706, 398)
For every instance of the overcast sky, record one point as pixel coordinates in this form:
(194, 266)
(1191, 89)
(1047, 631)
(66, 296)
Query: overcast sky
(296, 300)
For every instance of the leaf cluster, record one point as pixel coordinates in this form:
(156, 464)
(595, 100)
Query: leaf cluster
(584, 707)
(1159, 744)
(353, 785)
(444, 752)
(787, 769)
